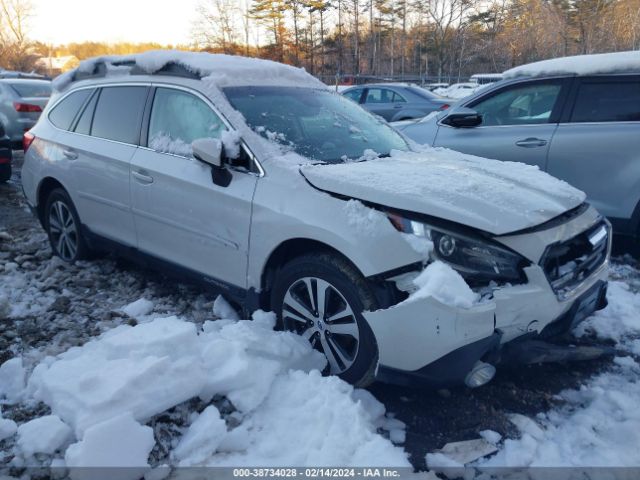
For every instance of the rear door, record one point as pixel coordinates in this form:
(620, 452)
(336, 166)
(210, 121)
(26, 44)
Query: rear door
(180, 214)
(383, 102)
(104, 138)
(597, 145)
(518, 122)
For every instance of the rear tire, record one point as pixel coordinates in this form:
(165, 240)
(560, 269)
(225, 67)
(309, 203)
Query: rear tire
(5, 172)
(64, 228)
(321, 297)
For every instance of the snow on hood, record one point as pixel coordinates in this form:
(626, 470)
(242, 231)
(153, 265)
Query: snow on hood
(222, 69)
(618, 62)
(497, 197)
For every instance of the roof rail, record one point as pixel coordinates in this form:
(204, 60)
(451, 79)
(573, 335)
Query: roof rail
(171, 69)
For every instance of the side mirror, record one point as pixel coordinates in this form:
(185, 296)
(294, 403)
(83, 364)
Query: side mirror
(211, 152)
(208, 150)
(463, 118)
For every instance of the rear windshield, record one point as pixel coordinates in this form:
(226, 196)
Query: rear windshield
(32, 89)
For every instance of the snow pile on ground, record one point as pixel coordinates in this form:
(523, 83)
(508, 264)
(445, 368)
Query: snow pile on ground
(620, 320)
(599, 425)
(108, 388)
(443, 283)
(12, 379)
(494, 196)
(580, 65)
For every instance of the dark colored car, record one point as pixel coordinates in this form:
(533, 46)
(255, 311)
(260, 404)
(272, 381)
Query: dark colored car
(5, 156)
(395, 102)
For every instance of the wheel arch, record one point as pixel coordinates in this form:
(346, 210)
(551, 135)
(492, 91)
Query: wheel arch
(288, 250)
(45, 187)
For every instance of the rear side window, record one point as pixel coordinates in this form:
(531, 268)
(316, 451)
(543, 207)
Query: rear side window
(64, 112)
(354, 94)
(118, 114)
(607, 102)
(379, 95)
(32, 90)
(84, 122)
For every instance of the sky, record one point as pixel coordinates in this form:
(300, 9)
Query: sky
(64, 21)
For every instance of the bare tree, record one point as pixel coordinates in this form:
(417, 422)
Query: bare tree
(14, 45)
(216, 24)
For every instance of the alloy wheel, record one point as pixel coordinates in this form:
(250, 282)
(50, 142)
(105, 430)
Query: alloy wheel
(63, 231)
(317, 311)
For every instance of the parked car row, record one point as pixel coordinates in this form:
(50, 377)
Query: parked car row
(396, 263)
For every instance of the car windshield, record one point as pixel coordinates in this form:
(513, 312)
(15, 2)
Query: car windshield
(32, 89)
(316, 124)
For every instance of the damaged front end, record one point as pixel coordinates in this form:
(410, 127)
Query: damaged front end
(428, 339)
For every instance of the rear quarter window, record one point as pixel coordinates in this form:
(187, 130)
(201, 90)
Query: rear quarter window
(66, 110)
(118, 113)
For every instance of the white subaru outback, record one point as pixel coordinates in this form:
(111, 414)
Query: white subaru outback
(397, 262)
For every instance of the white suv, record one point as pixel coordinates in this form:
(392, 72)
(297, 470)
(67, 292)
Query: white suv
(397, 263)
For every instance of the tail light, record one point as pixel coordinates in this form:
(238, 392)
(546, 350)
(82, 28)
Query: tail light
(26, 107)
(27, 140)
(444, 106)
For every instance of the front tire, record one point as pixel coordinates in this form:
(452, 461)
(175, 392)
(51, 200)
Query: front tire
(321, 297)
(63, 227)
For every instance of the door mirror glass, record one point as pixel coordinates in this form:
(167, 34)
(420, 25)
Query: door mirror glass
(463, 118)
(208, 150)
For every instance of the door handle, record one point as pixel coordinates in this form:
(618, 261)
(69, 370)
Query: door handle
(142, 178)
(531, 142)
(70, 154)
(398, 106)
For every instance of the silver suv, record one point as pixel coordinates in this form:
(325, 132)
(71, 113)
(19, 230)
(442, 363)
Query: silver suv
(576, 118)
(254, 178)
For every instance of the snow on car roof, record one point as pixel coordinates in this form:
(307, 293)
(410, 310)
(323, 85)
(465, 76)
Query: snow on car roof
(222, 69)
(619, 62)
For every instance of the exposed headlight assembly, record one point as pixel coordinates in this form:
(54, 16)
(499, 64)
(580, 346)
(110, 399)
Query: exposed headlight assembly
(477, 259)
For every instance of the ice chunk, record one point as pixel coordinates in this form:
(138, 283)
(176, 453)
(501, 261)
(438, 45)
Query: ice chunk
(223, 310)
(139, 308)
(42, 435)
(443, 283)
(7, 428)
(118, 442)
(491, 436)
(202, 439)
(12, 378)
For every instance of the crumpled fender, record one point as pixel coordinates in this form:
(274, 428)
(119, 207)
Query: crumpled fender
(411, 335)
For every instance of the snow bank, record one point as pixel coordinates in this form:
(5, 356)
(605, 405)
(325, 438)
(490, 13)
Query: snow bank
(315, 414)
(580, 65)
(599, 427)
(42, 435)
(107, 387)
(619, 319)
(118, 442)
(223, 69)
(151, 367)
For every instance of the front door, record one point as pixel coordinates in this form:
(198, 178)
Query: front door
(180, 214)
(518, 123)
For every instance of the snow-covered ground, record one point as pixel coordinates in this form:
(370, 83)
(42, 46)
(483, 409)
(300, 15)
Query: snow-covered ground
(105, 363)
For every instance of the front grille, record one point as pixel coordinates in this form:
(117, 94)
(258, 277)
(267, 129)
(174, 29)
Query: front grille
(569, 263)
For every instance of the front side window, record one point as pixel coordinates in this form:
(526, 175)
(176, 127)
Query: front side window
(177, 119)
(118, 113)
(607, 102)
(524, 105)
(66, 110)
(316, 124)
